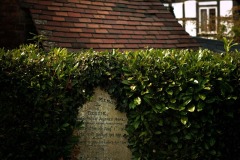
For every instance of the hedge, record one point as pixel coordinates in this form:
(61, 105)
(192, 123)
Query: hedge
(180, 104)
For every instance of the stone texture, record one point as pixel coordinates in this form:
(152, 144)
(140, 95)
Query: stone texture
(104, 135)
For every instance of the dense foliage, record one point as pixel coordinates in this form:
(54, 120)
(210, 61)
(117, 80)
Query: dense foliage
(37, 107)
(181, 104)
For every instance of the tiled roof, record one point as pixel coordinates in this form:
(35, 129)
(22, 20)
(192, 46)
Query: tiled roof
(107, 24)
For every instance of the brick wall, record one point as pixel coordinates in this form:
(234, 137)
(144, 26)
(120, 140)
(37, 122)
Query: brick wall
(15, 24)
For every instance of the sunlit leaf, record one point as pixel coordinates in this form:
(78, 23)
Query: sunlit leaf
(133, 88)
(173, 100)
(191, 108)
(202, 96)
(207, 88)
(184, 120)
(170, 92)
(187, 101)
(195, 81)
(137, 101)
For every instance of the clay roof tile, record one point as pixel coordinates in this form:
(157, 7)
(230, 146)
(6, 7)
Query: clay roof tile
(108, 24)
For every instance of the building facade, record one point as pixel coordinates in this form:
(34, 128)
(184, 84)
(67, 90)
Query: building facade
(205, 18)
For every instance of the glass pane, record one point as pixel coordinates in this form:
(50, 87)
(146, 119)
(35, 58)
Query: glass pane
(212, 20)
(203, 20)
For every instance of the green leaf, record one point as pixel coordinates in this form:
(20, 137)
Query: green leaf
(76, 65)
(137, 101)
(147, 98)
(213, 152)
(173, 100)
(200, 106)
(46, 115)
(65, 124)
(126, 82)
(160, 123)
(132, 105)
(179, 146)
(170, 92)
(181, 107)
(184, 120)
(206, 146)
(136, 124)
(212, 142)
(158, 132)
(159, 89)
(207, 88)
(188, 136)
(187, 101)
(174, 139)
(173, 106)
(133, 87)
(143, 134)
(202, 96)
(191, 108)
(195, 81)
(144, 92)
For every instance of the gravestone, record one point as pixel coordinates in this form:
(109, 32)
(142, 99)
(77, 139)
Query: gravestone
(103, 135)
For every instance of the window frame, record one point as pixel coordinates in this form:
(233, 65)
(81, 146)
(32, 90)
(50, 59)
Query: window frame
(207, 8)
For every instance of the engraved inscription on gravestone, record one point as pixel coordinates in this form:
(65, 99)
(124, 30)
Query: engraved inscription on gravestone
(104, 128)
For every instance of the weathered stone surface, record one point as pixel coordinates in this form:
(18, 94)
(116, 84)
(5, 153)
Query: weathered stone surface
(104, 128)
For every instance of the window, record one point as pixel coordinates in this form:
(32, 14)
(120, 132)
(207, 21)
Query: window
(208, 20)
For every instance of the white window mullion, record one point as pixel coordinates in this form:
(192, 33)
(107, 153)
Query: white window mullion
(208, 20)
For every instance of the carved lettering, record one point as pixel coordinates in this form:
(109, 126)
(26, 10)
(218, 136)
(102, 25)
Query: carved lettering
(96, 113)
(103, 136)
